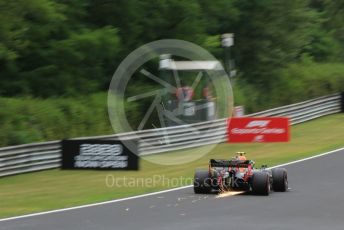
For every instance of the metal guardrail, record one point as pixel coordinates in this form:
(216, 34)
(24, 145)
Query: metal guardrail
(47, 155)
(215, 131)
(29, 158)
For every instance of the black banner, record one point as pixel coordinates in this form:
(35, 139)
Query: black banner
(98, 154)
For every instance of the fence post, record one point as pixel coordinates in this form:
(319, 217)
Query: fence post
(342, 102)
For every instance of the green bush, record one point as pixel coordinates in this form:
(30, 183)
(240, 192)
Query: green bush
(25, 120)
(297, 82)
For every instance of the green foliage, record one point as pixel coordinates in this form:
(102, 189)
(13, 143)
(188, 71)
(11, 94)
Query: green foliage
(84, 60)
(323, 46)
(58, 50)
(28, 120)
(334, 15)
(43, 54)
(270, 34)
(219, 15)
(295, 83)
(145, 21)
(25, 27)
(65, 48)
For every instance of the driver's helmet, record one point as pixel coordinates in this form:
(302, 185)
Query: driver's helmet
(241, 156)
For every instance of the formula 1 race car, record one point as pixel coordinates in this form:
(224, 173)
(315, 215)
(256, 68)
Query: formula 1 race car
(239, 174)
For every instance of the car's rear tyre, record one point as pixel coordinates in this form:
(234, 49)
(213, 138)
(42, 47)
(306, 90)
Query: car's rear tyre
(202, 182)
(280, 180)
(261, 183)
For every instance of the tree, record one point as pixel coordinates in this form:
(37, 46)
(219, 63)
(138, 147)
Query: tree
(220, 16)
(270, 35)
(334, 15)
(140, 22)
(83, 63)
(25, 30)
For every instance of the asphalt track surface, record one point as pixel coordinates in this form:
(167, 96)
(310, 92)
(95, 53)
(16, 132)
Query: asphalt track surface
(315, 201)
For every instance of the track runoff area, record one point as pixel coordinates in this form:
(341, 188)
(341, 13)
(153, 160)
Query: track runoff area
(314, 201)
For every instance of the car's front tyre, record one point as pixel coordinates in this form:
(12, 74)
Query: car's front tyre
(279, 180)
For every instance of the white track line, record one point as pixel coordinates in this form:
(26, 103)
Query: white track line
(308, 158)
(148, 194)
(95, 204)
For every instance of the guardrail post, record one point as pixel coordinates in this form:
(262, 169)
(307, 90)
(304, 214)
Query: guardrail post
(342, 102)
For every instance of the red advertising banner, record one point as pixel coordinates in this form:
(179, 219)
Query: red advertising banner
(258, 129)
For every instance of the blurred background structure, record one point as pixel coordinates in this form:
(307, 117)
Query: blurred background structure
(57, 57)
(194, 100)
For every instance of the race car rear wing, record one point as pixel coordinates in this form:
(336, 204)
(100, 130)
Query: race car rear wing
(229, 163)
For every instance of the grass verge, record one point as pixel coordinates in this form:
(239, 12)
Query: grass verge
(55, 189)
